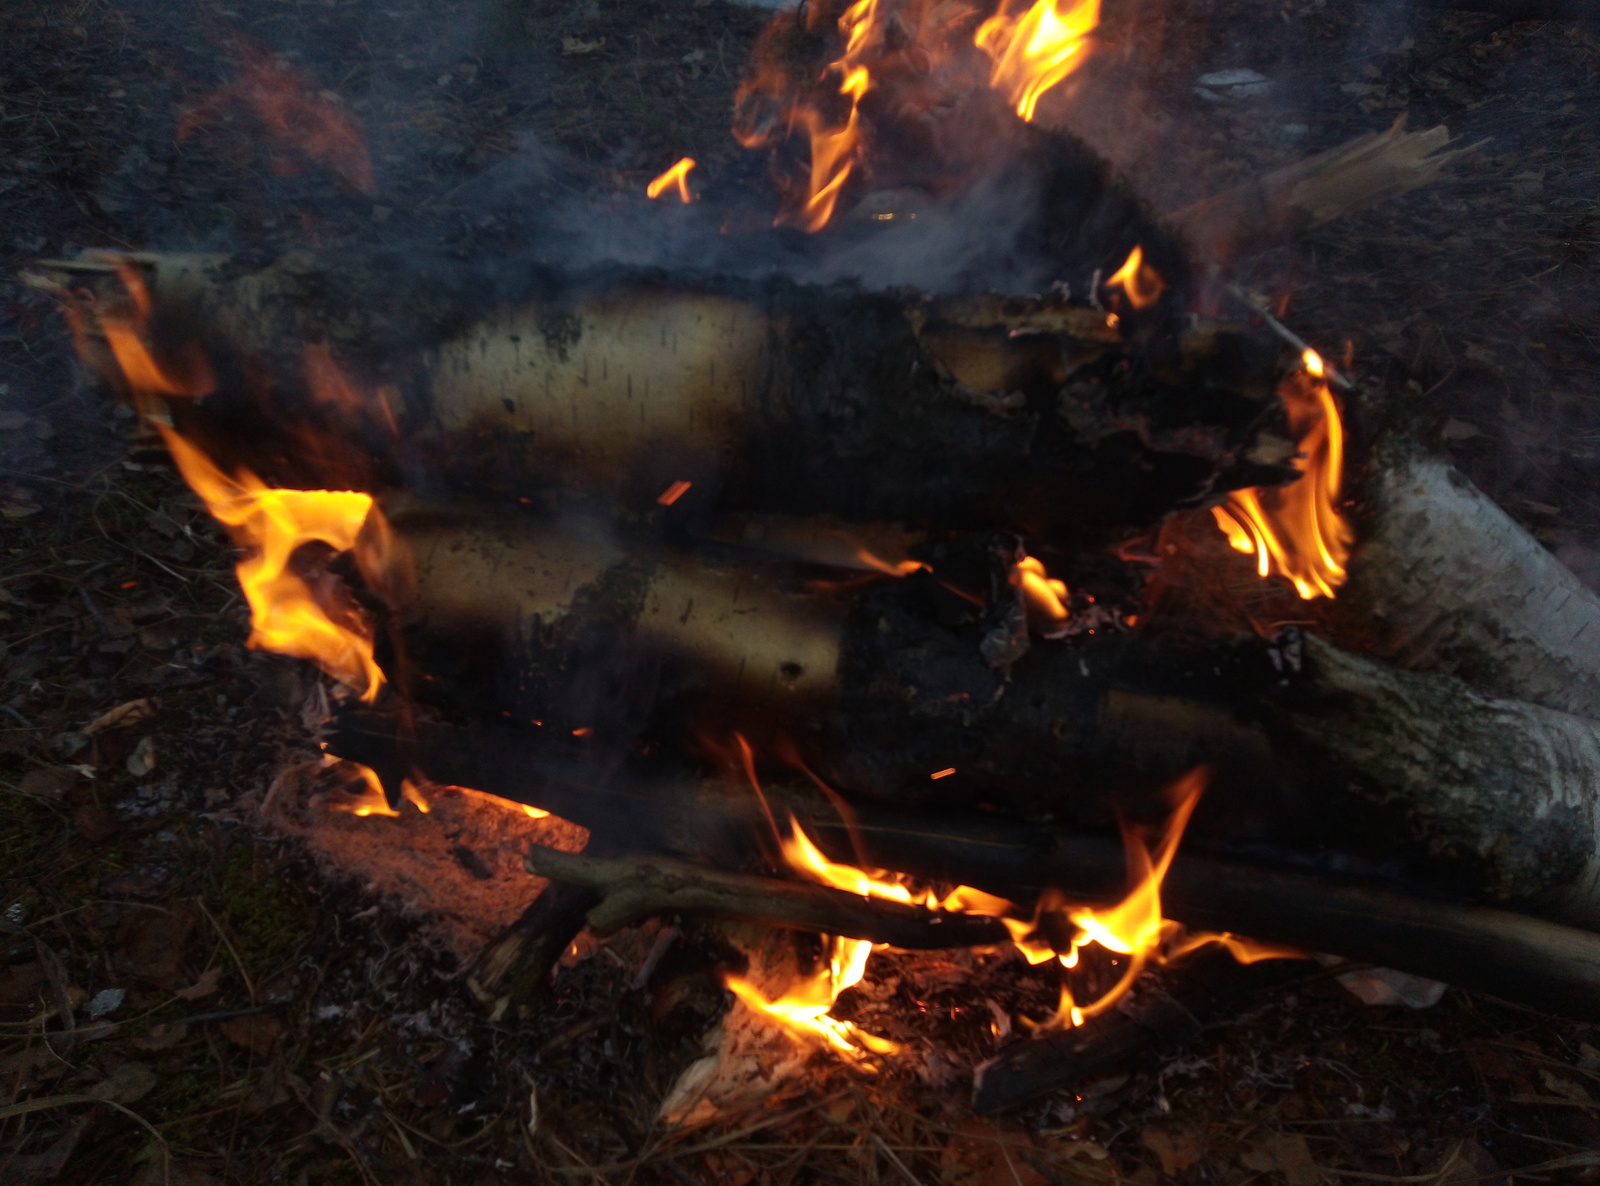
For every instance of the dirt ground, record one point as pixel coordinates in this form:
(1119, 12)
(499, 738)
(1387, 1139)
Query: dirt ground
(187, 998)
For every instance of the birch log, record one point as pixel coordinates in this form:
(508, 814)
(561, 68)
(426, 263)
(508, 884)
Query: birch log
(1444, 580)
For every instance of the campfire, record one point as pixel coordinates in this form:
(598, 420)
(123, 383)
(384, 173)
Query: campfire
(958, 560)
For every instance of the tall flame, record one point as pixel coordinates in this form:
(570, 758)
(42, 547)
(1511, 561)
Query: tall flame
(1296, 531)
(287, 615)
(1036, 49)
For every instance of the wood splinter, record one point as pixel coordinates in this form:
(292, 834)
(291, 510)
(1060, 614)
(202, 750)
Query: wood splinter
(636, 888)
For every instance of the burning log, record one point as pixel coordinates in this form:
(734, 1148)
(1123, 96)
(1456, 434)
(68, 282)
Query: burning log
(1055, 418)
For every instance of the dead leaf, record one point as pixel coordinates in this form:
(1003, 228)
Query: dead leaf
(143, 758)
(1177, 1148)
(162, 1036)
(574, 46)
(1468, 1164)
(255, 1032)
(1566, 1088)
(48, 782)
(95, 824)
(130, 713)
(150, 944)
(203, 987)
(18, 510)
(129, 1083)
(1459, 430)
(1285, 1152)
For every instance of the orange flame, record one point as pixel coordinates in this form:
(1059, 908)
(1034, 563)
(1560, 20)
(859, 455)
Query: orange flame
(1140, 283)
(1034, 50)
(677, 176)
(287, 615)
(1296, 531)
(1134, 928)
(1044, 596)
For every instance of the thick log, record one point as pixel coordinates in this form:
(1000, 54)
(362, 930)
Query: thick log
(1028, 414)
(633, 889)
(1443, 580)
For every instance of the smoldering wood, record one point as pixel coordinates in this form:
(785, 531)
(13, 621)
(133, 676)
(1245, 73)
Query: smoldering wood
(767, 396)
(1511, 955)
(633, 889)
(1152, 1019)
(1443, 580)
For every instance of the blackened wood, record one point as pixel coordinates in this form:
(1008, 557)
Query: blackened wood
(515, 969)
(633, 889)
(1152, 1019)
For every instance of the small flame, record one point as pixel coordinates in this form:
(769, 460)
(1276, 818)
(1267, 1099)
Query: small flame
(901, 568)
(1296, 531)
(1140, 283)
(804, 1007)
(1044, 596)
(677, 176)
(1034, 50)
(369, 800)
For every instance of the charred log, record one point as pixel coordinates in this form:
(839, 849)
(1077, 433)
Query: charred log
(1037, 416)
(1150, 1020)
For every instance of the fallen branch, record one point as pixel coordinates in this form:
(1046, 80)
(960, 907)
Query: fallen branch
(633, 889)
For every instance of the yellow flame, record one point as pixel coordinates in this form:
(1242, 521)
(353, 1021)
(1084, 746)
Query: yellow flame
(804, 1007)
(677, 175)
(1140, 283)
(285, 614)
(1035, 50)
(1044, 596)
(1296, 531)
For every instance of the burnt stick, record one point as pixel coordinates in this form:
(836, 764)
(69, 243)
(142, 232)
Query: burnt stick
(633, 889)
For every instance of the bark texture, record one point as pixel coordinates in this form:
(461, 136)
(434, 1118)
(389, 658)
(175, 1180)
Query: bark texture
(1443, 580)
(1502, 787)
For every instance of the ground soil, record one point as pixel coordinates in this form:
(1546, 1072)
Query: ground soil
(189, 996)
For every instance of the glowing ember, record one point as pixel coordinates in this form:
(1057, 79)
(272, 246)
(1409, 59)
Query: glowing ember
(673, 492)
(1036, 49)
(677, 176)
(1140, 283)
(1296, 531)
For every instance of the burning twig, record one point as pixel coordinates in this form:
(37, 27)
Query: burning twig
(636, 888)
